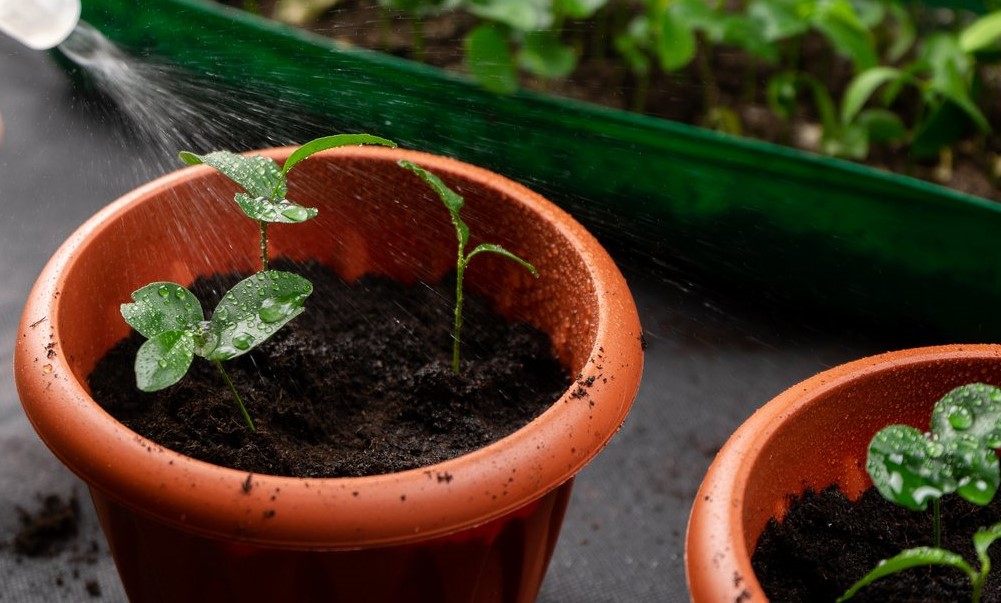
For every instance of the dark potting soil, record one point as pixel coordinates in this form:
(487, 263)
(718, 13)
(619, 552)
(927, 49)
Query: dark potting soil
(361, 383)
(826, 543)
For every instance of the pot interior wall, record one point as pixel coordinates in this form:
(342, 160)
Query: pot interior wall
(375, 217)
(806, 452)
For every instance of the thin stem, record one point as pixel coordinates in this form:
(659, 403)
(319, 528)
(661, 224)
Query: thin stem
(239, 401)
(936, 507)
(460, 270)
(264, 245)
(417, 27)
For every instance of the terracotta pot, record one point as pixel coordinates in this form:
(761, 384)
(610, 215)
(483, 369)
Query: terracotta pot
(814, 434)
(185, 530)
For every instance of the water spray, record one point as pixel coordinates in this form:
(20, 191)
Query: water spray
(39, 24)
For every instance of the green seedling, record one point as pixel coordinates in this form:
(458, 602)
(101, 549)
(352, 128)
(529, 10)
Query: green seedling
(266, 184)
(454, 202)
(912, 468)
(523, 34)
(172, 319)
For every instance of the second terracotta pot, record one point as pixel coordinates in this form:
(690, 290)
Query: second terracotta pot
(185, 530)
(813, 435)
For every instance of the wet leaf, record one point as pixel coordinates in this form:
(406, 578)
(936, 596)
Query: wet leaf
(972, 410)
(489, 59)
(907, 467)
(163, 360)
(259, 176)
(280, 211)
(254, 309)
(161, 307)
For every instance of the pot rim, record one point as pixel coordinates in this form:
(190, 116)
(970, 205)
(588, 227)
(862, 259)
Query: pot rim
(717, 559)
(365, 511)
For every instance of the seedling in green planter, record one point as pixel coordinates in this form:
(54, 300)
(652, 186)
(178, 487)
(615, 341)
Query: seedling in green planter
(912, 468)
(454, 203)
(171, 317)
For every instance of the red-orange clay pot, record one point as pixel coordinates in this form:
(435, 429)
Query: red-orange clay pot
(185, 530)
(814, 434)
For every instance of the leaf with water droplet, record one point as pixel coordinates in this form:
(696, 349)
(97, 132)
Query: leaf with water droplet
(976, 466)
(162, 360)
(259, 176)
(161, 307)
(280, 210)
(252, 318)
(972, 410)
(904, 469)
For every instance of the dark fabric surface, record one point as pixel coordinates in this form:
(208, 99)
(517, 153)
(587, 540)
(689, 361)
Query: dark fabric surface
(710, 362)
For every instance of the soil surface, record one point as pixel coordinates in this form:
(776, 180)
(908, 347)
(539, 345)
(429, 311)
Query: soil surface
(720, 77)
(826, 543)
(359, 384)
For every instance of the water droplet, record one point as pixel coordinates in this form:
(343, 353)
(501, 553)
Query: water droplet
(960, 418)
(273, 310)
(161, 363)
(296, 213)
(222, 314)
(47, 368)
(935, 449)
(243, 341)
(163, 291)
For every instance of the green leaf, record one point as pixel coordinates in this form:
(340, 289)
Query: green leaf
(633, 44)
(254, 309)
(259, 176)
(543, 54)
(163, 360)
(907, 468)
(851, 141)
(916, 557)
(776, 20)
(676, 44)
(972, 410)
(329, 142)
(492, 248)
(162, 307)
(982, 540)
(579, 9)
(838, 22)
(981, 33)
(781, 93)
(882, 125)
(452, 200)
(280, 211)
(904, 34)
(861, 89)
(522, 15)
(489, 60)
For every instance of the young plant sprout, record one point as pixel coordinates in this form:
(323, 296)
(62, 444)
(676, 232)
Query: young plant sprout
(266, 184)
(170, 316)
(911, 468)
(454, 202)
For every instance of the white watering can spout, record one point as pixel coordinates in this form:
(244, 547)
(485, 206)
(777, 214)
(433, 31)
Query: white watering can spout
(39, 24)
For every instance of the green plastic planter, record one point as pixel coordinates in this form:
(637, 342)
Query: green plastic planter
(769, 222)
